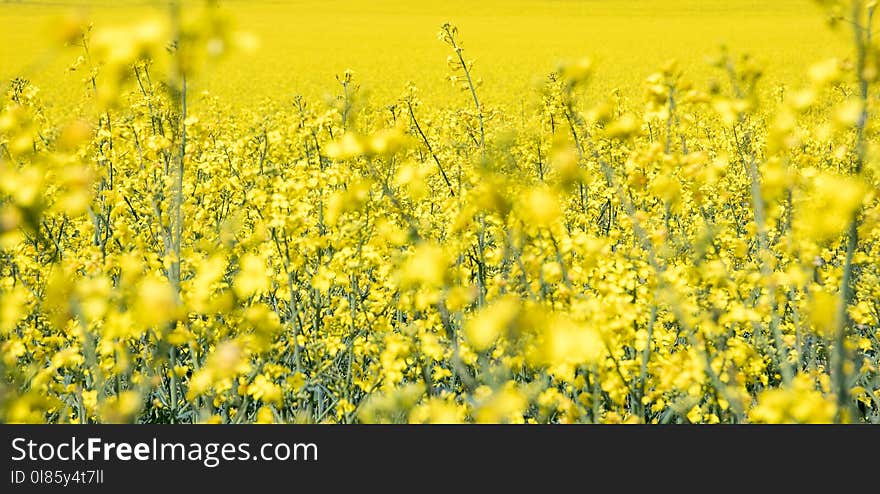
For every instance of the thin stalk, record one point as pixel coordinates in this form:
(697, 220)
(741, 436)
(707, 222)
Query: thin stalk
(430, 149)
(473, 89)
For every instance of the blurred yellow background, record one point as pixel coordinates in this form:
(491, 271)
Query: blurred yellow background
(305, 43)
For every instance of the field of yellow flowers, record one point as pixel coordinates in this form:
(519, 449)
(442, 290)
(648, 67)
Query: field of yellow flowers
(184, 238)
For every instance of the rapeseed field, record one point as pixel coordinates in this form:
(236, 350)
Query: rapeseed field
(624, 211)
